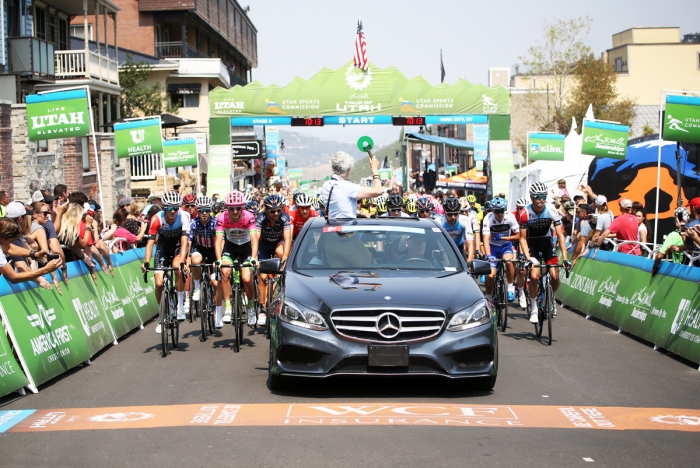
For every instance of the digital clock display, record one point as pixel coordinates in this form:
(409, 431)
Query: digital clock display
(408, 120)
(307, 121)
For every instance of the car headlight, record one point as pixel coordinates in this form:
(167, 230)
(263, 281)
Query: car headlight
(301, 316)
(474, 316)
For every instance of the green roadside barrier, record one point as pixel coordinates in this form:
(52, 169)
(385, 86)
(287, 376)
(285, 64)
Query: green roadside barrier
(52, 333)
(619, 289)
(11, 376)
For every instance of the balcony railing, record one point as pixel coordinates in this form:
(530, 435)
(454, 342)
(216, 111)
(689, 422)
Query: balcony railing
(143, 167)
(235, 79)
(175, 50)
(75, 64)
(29, 55)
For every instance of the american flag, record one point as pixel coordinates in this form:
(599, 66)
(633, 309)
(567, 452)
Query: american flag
(361, 48)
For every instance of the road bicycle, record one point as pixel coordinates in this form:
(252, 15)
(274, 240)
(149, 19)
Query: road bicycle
(545, 298)
(239, 300)
(500, 292)
(205, 306)
(167, 310)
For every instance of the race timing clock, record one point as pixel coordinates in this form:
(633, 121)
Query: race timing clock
(408, 120)
(307, 121)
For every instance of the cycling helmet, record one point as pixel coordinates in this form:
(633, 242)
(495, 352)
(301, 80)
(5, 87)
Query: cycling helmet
(682, 214)
(247, 197)
(364, 201)
(381, 199)
(498, 203)
(171, 198)
(412, 197)
(521, 202)
(218, 207)
(424, 203)
(538, 188)
(235, 198)
(394, 201)
(295, 195)
(314, 203)
(285, 201)
(381, 207)
(303, 200)
(411, 207)
(189, 199)
(273, 202)
(253, 206)
(471, 198)
(203, 202)
(451, 205)
(487, 206)
(464, 203)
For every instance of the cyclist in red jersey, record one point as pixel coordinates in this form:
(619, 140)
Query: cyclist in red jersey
(302, 214)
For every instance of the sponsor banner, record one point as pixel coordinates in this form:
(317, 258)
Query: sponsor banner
(295, 174)
(58, 115)
(11, 375)
(180, 153)
(385, 174)
(138, 137)
(501, 165)
(545, 147)
(220, 169)
(272, 142)
(619, 289)
(350, 91)
(604, 140)
(682, 119)
(52, 333)
(245, 149)
(227, 415)
(481, 142)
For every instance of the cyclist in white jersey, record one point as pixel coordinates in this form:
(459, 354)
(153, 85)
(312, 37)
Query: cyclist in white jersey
(499, 229)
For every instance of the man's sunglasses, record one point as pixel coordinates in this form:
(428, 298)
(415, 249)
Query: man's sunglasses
(273, 211)
(45, 213)
(235, 208)
(499, 211)
(539, 197)
(189, 206)
(204, 211)
(451, 215)
(394, 210)
(170, 209)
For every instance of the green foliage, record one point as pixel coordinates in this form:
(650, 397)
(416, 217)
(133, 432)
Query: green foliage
(137, 99)
(595, 85)
(647, 130)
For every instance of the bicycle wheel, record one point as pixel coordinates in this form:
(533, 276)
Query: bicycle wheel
(164, 317)
(202, 307)
(502, 300)
(193, 307)
(235, 315)
(174, 322)
(243, 318)
(549, 311)
(211, 309)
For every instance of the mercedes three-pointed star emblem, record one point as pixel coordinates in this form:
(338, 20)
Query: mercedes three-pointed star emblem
(388, 325)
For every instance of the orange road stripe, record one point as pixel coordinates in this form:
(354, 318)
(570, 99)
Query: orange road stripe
(359, 414)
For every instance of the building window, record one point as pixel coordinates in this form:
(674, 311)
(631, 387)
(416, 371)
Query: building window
(40, 23)
(620, 65)
(698, 60)
(77, 30)
(190, 100)
(62, 33)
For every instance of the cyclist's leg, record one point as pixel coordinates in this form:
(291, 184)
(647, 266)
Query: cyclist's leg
(196, 259)
(224, 292)
(508, 253)
(159, 261)
(179, 286)
(488, 285)
(550, 257)
(264, 252)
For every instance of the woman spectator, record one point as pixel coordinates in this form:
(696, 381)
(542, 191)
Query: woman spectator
(643, 229)
(9, 233)
(123, 238)
(46, 239)
(136, 209)
(605, 219)
(76, 234)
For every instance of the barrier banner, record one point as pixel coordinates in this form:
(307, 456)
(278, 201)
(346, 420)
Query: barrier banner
(138, 137)
(11, 376)
(619, 289)
(604, 140)
(545, 147)
(180, 153)
(682, 119)
(59, 114)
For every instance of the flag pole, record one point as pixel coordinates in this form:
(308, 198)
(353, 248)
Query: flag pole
(94, 147)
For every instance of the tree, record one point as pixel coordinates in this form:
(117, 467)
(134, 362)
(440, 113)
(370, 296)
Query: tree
(555, 58)
(137, 99)
(594, 84)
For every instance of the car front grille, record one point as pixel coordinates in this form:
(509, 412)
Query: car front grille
(388, 326)
(359, 365)
(480, 356)
(298, 356)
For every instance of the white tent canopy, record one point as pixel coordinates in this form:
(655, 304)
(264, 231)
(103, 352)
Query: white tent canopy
(574, 169)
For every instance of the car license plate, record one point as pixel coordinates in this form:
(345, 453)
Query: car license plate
(388, 355)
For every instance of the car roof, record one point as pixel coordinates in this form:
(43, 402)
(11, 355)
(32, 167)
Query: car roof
(387, 221)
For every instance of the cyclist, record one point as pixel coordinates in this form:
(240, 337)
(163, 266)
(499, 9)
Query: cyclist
(252, 207)
(302, 214)
(189, 202)
(459, 229)
(520, 204)
(499, 229)
(470, 215)
(202, 241)
(235, 239)
(425, 208)
(394, 205)
(536, 224)
(274, 231)
(412, 209)
(217, 207)
(172, 226)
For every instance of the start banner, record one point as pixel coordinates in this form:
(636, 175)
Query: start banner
(619, 289)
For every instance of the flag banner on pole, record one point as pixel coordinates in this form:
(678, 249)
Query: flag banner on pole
(295, 174)
(58, 115)
(545, 147)
(179, 153)
(361, 48)
(138, 137)
(604, 140)
(385, 174)
(481, 142)
(442, 68)
(682, 119)
(272, 142)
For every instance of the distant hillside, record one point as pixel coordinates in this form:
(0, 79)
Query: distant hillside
(362, 169)
(302, 150)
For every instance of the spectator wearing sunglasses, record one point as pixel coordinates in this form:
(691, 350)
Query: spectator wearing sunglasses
(44, 234)
(9, 233)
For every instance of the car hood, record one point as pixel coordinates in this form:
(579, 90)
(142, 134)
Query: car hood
(327, 290)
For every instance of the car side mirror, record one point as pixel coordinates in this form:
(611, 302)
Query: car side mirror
(271, 266)
(479, 267)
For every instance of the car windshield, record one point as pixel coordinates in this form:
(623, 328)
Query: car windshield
(376, 247)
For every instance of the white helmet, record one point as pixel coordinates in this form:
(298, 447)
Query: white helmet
(171, 198)
(521, 202)
(538, 188)
(303, 200)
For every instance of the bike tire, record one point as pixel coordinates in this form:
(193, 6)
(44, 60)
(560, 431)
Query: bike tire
(175, 324)
(550, 313)
(502, 306)
(164, 315)
(193, 308)
(202, 305)
(211, 308)
(236, 316)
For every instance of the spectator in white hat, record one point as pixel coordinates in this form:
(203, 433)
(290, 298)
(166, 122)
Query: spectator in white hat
(605, 219)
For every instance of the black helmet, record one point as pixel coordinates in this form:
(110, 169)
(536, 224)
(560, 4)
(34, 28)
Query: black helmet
(452, 205)
(424, 203)
(394, 201)
(273, 201)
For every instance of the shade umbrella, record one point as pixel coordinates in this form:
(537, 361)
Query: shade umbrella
(166, 121)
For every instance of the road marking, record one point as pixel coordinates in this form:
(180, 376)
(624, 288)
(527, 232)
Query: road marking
(586, 459)
(351, 414)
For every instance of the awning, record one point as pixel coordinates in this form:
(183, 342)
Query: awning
(449, 142)
(184, 88)
(466, 180)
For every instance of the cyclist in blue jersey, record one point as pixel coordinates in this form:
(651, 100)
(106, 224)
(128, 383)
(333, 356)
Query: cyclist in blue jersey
(172, 226)
(202, 241)
(458, 227)
(536, 223)
(499, 229)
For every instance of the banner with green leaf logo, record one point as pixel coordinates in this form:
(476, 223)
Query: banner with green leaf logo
(180, 153)
(545, 147)
(682, 119)
(138, 137)
(604, 140)
(59, 114)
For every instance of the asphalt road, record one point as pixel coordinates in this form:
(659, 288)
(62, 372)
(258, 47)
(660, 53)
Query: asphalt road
(588, 365)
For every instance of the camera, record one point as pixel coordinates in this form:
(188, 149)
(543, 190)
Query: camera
(50, 257)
